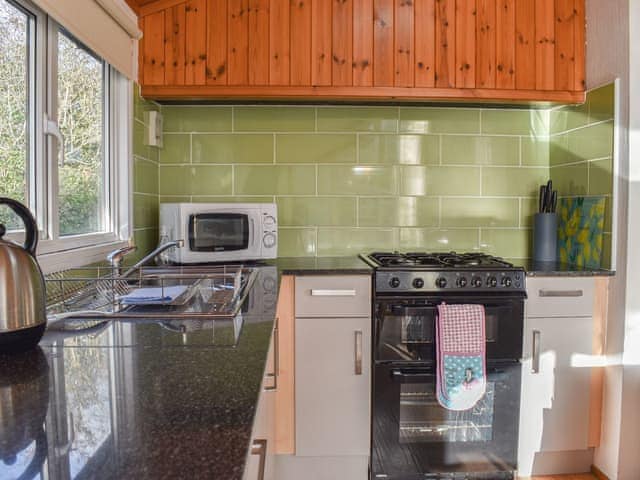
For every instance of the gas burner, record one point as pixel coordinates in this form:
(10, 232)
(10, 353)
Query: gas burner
(424, 260)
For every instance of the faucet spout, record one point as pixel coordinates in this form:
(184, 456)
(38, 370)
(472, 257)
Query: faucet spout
(145, 260)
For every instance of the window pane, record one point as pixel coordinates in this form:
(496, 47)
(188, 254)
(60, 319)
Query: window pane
(14, 108)
(81, 180)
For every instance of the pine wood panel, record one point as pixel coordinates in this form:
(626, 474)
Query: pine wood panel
(196, 42)
(525, 45)
(258, 42)
(279, 51)
(564, 46)
(383, 56)
(363, 43)
(579, 37)
(174, 51)
(425, 29)
(217, 42)
(506, 44)
(445, 74)
(342, 39)
(285, 393)
(321, 43)
(545, 44)
(404, 38)
(153, 49)
(300, 40)
(486, 44)
(465, 43)
(238, 43)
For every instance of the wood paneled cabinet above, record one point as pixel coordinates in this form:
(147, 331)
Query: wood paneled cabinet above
(503, 50)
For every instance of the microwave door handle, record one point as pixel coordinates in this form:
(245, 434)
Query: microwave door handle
(253, 232)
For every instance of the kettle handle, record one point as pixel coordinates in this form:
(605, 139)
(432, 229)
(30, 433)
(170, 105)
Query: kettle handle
(31, 227)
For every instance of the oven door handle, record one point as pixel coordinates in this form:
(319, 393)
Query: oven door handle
(412, 376)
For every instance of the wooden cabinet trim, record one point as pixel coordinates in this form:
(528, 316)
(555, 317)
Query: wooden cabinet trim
(408, 94)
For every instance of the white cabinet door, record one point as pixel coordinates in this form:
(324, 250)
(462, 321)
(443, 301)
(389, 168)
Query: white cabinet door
(555, 399)
(333, 386)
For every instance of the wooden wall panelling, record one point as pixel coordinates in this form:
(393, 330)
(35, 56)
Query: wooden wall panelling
(383, 57)
(258, 42)
(217, 67)
(321, 61)
(597, 374)
(363, 43)
(238, 43)
(425, 53)
(564, 46)
(525, 45)
(486, 44)
(300, 42)
(196, 38)
(445, 74)
(465, 43)
(342, 39)
(174, 46)
(545, 41)
(153, 49)
(506, 44)
(579, 80)
(404, 43)
(279, 49)
(155, 6)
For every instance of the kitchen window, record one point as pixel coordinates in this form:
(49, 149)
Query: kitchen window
(64, 138)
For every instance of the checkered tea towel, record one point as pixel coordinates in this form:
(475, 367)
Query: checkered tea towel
(460, 340)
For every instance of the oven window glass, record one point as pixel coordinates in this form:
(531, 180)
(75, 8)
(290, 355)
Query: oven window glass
(218, 232)
(423, 420)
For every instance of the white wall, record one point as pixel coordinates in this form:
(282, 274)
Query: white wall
(610, 53)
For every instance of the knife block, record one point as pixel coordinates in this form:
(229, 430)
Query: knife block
(545, 237)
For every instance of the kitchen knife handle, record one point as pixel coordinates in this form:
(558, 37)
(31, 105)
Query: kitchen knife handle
(535, 352)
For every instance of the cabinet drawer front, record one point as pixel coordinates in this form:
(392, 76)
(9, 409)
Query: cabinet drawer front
(330, 296)
(560, 297)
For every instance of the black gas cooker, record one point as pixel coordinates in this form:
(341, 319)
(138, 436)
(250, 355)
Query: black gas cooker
(444, 272)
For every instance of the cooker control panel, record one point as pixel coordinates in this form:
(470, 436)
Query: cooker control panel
(467, 280)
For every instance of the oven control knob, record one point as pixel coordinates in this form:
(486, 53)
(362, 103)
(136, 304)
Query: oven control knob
(492, 282)
(441, 282)
(462, 282)
(506, 281)
(418, 283)
(269, 240)
(394, 282)
(476, 281)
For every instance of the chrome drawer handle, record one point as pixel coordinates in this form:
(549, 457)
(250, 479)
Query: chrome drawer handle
(358, 351)
(259, 447)
(535, 357)
(333, 293)
(276, 360)
(560, 293)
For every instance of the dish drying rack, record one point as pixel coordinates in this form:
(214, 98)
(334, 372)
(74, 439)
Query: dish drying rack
(97, 292)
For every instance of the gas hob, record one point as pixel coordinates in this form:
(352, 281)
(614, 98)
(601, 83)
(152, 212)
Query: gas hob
(439, 272)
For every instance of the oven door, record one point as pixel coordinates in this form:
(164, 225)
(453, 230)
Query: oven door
(405, 327)
(219, 232)
(414, 437)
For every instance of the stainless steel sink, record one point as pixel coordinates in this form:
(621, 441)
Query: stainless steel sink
(211, 292)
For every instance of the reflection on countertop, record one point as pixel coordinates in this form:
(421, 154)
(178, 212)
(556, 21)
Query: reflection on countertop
(347, 265)
(557, 269)
(138, 399)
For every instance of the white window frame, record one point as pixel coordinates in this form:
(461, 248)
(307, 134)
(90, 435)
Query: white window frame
(55, 253)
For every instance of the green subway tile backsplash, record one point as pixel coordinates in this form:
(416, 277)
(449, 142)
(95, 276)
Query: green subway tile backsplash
(350, 179)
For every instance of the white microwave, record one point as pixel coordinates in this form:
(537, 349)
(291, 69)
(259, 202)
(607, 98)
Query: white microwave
(220, 232)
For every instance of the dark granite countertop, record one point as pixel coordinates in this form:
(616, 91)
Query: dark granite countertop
(556, 269)
(349, 265)
(138, 399)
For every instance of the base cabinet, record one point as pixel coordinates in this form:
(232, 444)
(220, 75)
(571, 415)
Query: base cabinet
(561, 393)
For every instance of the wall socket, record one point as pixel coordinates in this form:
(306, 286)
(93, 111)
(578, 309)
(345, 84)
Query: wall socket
(153, 129)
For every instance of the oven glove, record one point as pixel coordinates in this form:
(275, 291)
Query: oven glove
(460, 340)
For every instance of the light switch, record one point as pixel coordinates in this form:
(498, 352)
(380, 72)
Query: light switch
(153, 129)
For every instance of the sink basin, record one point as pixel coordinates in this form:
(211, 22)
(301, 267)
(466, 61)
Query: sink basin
(211, 292)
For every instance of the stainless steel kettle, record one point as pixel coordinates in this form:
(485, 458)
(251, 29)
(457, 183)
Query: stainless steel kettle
(23, 315)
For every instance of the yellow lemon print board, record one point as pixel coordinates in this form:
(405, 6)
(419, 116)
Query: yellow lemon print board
(580, 228)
